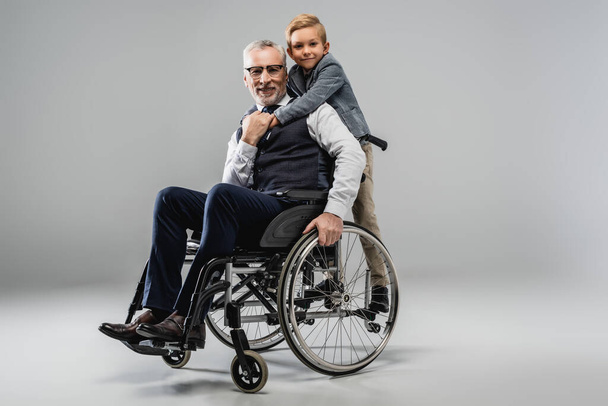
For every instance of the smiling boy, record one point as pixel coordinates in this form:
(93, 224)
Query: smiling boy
(317, 78)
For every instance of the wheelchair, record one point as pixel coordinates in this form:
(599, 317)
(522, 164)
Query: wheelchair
(288, 288)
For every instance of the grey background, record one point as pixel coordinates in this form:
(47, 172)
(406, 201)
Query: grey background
(494, 111)
(492, 196)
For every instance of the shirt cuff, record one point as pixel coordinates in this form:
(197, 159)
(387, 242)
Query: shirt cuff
(246, 150)
(337, 208)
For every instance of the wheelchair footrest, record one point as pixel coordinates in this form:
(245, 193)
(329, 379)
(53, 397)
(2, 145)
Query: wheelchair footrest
(146, 349)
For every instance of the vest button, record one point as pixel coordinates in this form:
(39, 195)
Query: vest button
(260, 189)
(262, 152)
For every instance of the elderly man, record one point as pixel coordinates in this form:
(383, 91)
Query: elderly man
(316, 152)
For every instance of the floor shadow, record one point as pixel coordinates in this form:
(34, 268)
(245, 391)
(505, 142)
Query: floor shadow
(185, 388)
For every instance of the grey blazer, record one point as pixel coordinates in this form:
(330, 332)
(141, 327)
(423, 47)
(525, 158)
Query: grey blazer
(327, 82)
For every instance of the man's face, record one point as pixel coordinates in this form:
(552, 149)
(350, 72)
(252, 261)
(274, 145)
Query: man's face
(266, 89)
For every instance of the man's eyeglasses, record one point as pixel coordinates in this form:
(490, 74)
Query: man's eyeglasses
(273, 70)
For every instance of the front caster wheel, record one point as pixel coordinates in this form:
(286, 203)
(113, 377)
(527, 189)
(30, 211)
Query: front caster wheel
(177, 359)
(250, 383)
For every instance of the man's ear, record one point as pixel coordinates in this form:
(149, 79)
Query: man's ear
(326, 48)
(245, 79)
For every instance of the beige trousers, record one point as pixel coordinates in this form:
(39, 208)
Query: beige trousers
(364, 214)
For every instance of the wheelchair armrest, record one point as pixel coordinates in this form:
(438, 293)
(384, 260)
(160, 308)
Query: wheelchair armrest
(301, 194)
(287, 227)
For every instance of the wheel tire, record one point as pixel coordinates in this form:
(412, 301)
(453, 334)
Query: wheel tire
(259, 372)
(177, 359)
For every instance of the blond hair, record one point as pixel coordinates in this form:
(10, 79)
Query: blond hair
(305, 21)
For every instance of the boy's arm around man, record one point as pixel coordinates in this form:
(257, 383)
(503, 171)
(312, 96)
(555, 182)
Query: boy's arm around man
(325, 80)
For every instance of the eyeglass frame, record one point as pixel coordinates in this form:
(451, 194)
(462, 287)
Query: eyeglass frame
(264, 67)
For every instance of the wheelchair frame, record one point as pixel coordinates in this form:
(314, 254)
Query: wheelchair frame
(277, 291)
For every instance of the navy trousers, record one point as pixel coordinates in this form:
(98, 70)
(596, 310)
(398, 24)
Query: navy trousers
(225, 215)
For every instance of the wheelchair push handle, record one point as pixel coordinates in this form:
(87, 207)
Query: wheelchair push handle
(379, 142)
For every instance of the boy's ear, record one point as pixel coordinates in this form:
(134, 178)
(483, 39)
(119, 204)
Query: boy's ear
(326, 48)
(289, 52)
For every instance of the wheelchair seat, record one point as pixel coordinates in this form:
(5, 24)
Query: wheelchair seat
(285, 229)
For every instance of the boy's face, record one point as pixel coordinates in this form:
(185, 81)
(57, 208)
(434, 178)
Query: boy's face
(306, 48)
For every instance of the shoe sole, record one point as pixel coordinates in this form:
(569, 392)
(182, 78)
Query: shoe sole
(141, 330)
(132, 339)
(378, 309)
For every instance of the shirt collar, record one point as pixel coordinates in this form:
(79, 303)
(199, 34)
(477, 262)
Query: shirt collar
(282, 102)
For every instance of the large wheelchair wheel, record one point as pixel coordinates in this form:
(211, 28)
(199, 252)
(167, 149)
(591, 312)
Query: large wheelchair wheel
(324, 302)
(261, 334)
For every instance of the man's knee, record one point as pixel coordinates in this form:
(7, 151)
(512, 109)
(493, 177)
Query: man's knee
(223, 192)
(167, 197)
(167, 193)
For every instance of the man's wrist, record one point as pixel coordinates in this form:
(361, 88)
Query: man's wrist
(246, 149)
(248, 141)
(336, 208)
(251, 140)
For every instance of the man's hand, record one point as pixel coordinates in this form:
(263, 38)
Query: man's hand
(255, 127)
(329, 227)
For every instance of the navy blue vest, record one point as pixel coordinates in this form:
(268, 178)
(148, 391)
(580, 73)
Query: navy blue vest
(288, 158)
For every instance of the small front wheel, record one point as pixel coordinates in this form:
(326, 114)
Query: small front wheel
(256, 379)
(177, 359)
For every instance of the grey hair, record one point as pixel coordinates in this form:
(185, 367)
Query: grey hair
(261, 44)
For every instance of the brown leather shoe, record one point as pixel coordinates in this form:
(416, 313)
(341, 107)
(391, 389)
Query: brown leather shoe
(172, 329)
(127, 332)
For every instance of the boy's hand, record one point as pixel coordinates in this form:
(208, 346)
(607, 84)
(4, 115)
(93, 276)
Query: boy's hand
(255, 127)
(274, 122)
